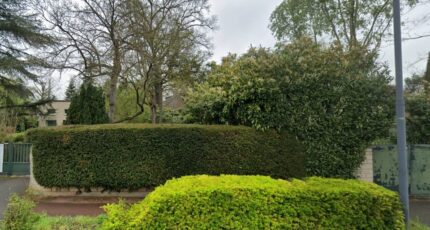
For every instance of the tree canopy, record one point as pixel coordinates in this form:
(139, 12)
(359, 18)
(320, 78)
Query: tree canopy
(337, 102)
(19, 31)
(88, 106)
(348, 22)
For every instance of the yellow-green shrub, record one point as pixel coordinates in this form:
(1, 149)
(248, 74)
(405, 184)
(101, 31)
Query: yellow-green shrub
(259, 202)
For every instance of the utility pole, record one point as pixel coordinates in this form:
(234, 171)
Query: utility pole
(400, 114)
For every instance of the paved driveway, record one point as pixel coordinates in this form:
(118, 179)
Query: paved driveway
(8, 186)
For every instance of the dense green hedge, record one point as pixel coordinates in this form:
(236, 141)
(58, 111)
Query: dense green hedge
(134, 156)
(259, 202)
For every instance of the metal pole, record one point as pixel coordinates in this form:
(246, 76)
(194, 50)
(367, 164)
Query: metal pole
(400, 114)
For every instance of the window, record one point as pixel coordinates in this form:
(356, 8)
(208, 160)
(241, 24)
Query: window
(51, 111)
(51, 123)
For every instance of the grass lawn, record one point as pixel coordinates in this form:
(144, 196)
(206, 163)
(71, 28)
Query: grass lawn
(68, 223)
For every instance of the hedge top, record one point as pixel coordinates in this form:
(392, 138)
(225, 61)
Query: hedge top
(190, 184)
(260, 202)
(130, 126)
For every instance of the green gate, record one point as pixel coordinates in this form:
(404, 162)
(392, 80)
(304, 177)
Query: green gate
(16, 159)
(385, 168)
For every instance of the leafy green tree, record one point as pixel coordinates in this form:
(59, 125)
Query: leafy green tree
(337, 102)
(414, 85)
(418, 119)
(418, 107)
(241, 91)
(348, 22)
(19, 31)
(427, 73)
(88, 107)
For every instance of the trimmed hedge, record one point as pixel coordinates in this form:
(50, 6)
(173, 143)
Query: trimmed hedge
(134, 156)
(258, 202)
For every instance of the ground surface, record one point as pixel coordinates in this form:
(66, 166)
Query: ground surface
(420, 209)
(8, 186)
(73, 206)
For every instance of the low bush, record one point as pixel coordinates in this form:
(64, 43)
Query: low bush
(19, 214)
(133, 156)
(259, 202)
(12, 138)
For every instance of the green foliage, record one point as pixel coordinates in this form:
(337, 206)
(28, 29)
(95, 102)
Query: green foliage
(132, 156)
(359, 22)
(417, 225)
(19, 30)
(117, 215)
(426, 76)
(417, 118)
(258, 202)
(337, 102)
(14, 137)
(68, 223)
(417, 93)
(87, 107)
(19, 214)
(240, 91)
(415, 85)
(71, 90)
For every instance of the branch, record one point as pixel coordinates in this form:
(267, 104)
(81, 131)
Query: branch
(29, 105)
(418, 37)
(333, 27)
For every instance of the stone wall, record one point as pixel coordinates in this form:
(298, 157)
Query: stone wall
(365, 172)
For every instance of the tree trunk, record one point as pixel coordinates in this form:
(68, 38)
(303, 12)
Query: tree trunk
(112, 99)
(352, 23)
(154, 109)
(159, 101)
(116, 70)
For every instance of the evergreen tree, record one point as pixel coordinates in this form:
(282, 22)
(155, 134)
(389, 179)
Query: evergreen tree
(426, 79)
(19, 31)
(88, 106)
(427, 73)
(71, 90)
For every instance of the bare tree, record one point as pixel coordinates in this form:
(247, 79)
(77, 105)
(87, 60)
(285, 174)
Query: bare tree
(90, 35)
(163, 34)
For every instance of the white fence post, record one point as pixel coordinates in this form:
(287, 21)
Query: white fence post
(1, 157)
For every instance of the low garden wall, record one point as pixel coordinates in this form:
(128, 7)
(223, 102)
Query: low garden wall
(130, 157)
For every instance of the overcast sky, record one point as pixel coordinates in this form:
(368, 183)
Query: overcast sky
(245, 22)
(242, 23)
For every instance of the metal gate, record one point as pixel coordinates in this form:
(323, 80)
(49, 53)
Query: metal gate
(16, 159)
(385, 168)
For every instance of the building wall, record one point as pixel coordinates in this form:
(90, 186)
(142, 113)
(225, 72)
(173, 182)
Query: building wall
(59, 116)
